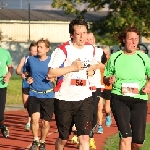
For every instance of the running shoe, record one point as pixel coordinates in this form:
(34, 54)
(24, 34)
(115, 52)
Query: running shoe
(42, 146)
(27, 127)
(74, 139)
(35, 145)
(92, 143)
(108, 121)
(100, 129)
(4, 131)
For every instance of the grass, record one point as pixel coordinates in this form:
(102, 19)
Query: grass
(14, 91)
(113, 141)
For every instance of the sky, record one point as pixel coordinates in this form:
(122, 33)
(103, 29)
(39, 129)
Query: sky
(23, 4)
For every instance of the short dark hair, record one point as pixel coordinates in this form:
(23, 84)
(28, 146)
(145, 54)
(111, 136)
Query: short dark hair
(46, 41)
(32, 44)
(77, 22)
(123, 34)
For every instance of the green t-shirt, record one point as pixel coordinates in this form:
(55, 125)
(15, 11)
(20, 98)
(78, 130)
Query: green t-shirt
(5, 60)
(128, 69)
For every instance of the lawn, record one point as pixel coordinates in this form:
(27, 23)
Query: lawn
(14, 91)
(112, 141)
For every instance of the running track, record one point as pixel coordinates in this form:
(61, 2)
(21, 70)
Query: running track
(20, 140)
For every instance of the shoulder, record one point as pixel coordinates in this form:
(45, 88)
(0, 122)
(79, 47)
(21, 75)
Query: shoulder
(88, 45)
(32, 58)
(116, 54)
(4, 51)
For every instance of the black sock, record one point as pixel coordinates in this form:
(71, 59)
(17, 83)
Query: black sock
(91, 134)
(107, 114)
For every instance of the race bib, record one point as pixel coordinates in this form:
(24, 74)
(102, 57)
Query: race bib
(130, 89)
(78, 82)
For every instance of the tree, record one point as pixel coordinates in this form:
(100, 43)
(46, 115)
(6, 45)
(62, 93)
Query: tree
(122, 13)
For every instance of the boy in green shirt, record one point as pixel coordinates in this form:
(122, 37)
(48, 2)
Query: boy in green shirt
(6, 71)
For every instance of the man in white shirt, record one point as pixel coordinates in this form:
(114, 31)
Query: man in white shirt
(75, 63)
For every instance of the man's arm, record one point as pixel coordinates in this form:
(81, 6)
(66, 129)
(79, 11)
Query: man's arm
(55, 69)
(19, 67)
(57, 72)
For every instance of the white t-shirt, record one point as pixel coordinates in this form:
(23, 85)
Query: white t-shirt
(98, 54)
(68, 90)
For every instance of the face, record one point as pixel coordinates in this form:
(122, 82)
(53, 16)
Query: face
(131, 41)
(33, 51)
(91, 38)
(79, 36)
(42, 49)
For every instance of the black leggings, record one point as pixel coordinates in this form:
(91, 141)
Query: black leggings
(130, 116)
(2, 103)
(96, 101)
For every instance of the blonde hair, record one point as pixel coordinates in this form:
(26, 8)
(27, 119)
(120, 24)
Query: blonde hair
(46, 41)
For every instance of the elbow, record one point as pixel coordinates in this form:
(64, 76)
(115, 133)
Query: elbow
(106, 81)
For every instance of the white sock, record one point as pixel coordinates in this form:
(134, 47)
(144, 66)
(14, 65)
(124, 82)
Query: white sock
(42, 141)
(36, 139)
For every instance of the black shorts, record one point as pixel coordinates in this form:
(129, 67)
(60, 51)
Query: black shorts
(45, 106)
(70, 112)
(97, 92)
(96, 98)
(130, 115)
(106, 94)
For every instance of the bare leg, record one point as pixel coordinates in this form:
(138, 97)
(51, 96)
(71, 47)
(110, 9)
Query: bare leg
(60, 144)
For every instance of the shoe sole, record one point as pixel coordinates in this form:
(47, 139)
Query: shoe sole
(100, 132)
(27, 130)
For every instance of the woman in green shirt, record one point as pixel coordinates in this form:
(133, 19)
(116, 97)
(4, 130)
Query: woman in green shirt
(126, 70)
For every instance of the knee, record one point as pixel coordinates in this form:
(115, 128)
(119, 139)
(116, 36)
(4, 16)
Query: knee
(126, 141)
(135, 146)
(61, 142)
(45, 124)
(100, 107)
(83, 138)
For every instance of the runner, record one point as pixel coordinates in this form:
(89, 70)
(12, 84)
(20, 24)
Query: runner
(105, 97)
(6, 71)
(96, 94)
(74, 98)
(40, 103)
(127, 69)
(25, 86)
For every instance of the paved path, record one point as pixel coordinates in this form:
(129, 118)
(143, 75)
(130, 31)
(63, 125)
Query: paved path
(21, 140)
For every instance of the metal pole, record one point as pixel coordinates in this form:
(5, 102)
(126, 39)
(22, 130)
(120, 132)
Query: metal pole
(21, 4)
(29, 17)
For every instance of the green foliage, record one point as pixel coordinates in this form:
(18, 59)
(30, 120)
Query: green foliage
(122, 13)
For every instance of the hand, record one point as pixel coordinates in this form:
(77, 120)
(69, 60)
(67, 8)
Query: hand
(146, 89)
(51, 79)
(23, 76)
(100, 65)
(90, 73)
(27, 74)
(102, 89)
(7, 77)
(77, 65)
(111, 79)
(30, 80)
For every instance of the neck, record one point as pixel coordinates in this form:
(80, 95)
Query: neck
(43, 57)
(77, 46)
(129, 52)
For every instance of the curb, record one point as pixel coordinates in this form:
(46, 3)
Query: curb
(14, 107)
